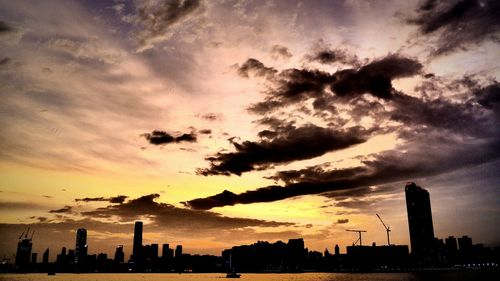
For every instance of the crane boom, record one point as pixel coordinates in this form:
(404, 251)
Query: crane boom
(359, 232)
(21, 236)
(387, 229)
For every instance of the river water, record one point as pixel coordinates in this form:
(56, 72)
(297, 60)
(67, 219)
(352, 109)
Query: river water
(432, 276)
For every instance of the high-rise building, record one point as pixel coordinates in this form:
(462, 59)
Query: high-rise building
(119, 254)
(418, 206)
(337, 250)
(451, 244)
(178, 251)
(153, 252)
(165, 251)
(61, 258)
(81, 246)
(179, 263)
(45, 258)
(137, 247)
(23, 253)
(465, 244)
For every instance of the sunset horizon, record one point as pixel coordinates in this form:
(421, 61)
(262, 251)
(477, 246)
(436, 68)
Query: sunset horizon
(224, 123)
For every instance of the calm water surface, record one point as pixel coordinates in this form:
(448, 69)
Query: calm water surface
(438, 276)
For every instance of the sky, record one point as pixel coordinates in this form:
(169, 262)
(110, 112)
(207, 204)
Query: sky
(221, 123)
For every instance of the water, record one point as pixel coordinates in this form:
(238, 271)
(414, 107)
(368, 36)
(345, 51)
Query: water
(434, 276)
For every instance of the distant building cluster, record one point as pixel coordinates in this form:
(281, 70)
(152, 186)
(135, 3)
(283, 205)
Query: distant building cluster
(427, 253)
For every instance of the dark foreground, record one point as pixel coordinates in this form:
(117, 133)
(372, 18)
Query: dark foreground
(423, 276)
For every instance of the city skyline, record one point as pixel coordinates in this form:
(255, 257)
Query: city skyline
(426, 248)
(221, 123)
(427, 251)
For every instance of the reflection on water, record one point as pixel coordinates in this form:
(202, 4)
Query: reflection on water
(434, 276)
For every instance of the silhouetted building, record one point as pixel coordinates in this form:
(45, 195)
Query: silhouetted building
(178, 251)
(102, 257)
(137, 247)
(166, 252)
(464, 243)
(81, 246)
(179, 262)
(119, 254)
(153, 252)
(71, 255)
(337, 250)
(296, 255)
(451, 244)
(61, 258)
(34, 257)
(369, 257)
(45, 258)
(418, 206)
(23, 253)
(167, 258)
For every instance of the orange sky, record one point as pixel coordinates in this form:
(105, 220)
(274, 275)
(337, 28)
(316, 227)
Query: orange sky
(83, 85)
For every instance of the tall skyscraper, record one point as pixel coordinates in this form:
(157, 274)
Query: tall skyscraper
(418, 206)
(165, 250)
(153, 252)
(119, 254)
(34, 257)
(23, 253)
(178, 251)
(465, 244)
(81, 246)
(46, 256)
(137, 247)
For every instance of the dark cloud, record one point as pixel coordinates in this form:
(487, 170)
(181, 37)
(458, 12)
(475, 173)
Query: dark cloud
(489, 96)
(168, 215)
(331, 56)
(426, 153)
(342, 221)
(157, 18)
(458, 24)
(280, 52)
(439, 114)
(117, 199)
(280, 147)
(294, 86)
(162, 138)
(4, 27)
(65, 209)
(42, 219)
(205, 131)
(211, 116)
(356, 203)
(310, 174)
(257, 68)
(5, 61)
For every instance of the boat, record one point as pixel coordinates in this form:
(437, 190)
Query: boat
(233, 275)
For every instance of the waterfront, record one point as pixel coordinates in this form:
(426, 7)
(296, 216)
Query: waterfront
(427, 276)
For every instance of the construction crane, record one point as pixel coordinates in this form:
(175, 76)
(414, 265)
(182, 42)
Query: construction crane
(359, 232)
(21, 236)
(387, 229)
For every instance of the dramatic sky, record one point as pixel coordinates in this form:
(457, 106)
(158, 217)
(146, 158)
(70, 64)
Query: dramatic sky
(221, 123)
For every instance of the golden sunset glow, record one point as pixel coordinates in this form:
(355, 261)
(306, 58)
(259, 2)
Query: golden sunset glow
(239, 121)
